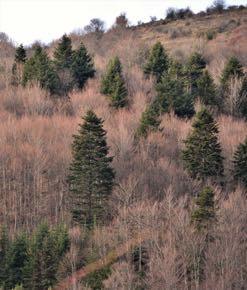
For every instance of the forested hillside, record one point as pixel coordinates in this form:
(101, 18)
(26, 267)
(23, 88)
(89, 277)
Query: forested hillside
(123, 156)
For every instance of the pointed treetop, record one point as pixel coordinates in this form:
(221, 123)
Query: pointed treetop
(20, 54)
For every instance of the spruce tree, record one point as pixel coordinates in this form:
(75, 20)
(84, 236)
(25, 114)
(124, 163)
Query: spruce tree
(202, 154)
(193, 71)
(207, 90)
(20, 54)
(113, 85)
(4, 248)
(39, 69)
(17, 68)
(91, 176)
(157, 63)
(47, 248)
(171, 95)
(82, 66)
(204, 214)
(240, 163)
(16, 261)
(233, 68)
(149, 121)
(63, 53)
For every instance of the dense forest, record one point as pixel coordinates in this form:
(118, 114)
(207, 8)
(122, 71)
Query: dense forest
(123, 155)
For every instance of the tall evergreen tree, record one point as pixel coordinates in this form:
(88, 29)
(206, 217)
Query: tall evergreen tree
(20, 54)
(82, 66)
(149, 121)
(39, 69)
(4, 247)
(113, 85)
(193, 71)
(207, 90)
(171, 95)
(47, 248)
(63, 53)
(157, 63)
(202, 154)
(91, 177)
(233, 68)
(16, 260)
(204, 214)
(17, 68)
(240, 163)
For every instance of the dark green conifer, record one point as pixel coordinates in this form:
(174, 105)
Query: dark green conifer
(63, 53)
(233, 68)
(20, 54)
(240, 163)
(113, 85)
(193, 71)
(171, 95)
(149, 121)
(82, 66)
(47, 248)
(157, 63)
(39, 69)
(4, 247)
(204, 214)
(16, 260)
(91, 177)
(207, 90)
(202, 154)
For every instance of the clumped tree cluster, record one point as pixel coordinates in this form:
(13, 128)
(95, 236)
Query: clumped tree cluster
(67, 70)
(32, 261)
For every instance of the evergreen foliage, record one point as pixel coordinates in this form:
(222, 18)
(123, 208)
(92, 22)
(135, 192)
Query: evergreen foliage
(47, 248)
(171, 95)
(207, 91)
(233, 68)
(240, 163)
(193, 71)
(39, 69)
(20, 54)
(113, 85)
(91, 177)
(63, 53)
(203, 215)
(16, 259)
(202, 154)
(157, 63)
(149, 121)
(82, 66)
(4, 247)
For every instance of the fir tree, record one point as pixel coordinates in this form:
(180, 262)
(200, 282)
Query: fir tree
(193, 71)
(149, 121)
(63, 53)
(39, 69)
(240, 163)
(232, 69)
(171, 95)
(20, 54)
(47, 248)
(16, 260)
(113, 85)
(4, 247)
(119, 94)
(157, 63)
(91, 177)
(207, 90)
(204, 214)
(202, 154)
(82, 66)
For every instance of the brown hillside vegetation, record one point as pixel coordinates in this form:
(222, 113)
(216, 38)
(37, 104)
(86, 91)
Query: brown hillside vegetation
(153, 191)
